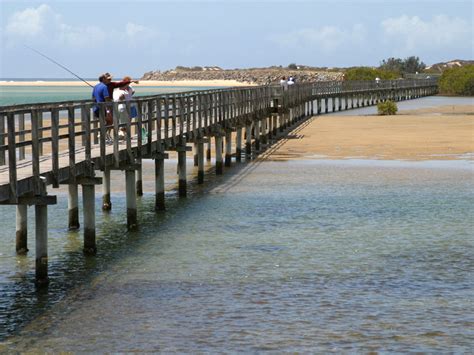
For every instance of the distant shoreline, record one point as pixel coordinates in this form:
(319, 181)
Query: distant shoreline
(179, 83)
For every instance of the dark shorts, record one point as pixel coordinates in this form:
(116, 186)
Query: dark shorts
(108, 117)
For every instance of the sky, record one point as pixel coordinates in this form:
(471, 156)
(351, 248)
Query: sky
(137, 36)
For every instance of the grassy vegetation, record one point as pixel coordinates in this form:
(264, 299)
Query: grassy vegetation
(457, 81)
(387, 108)
(366, 73)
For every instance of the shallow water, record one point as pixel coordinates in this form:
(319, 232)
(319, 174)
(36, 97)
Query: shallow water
(16, 95)
(423, 102)
(283, 256)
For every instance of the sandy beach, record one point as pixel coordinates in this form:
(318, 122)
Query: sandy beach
(439, 133)
(200, 83)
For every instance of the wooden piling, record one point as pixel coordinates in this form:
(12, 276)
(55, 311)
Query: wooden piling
(159, 184)
(257, 136)
(182, 189)
(21, 229)
(73, 207)
(238, 144)
(131, 199)
(208, 150)
(139, 182)
(195, 155)
(218, 148)
(41, 245)
(228, 148)
(106, 202)
(248, 141)
(200, 156)
(88, 201)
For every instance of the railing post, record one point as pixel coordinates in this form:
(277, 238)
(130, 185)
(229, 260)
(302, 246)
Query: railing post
(2, 139)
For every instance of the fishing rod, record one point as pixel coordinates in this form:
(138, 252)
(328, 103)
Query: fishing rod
(62, 66)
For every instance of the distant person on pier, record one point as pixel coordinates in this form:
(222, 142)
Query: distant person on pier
(284, 83)
(291, 81)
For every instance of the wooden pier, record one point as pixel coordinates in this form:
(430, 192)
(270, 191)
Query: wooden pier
(43, 146)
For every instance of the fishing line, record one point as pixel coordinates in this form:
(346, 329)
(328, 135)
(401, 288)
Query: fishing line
(62, 66)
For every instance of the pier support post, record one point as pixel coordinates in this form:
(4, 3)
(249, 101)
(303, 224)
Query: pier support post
(73, 207)
(208, 151)
(159, 184)
(21, 229)
(238, 144)
(106, 203)
(333, 101)
(131, 198)
(139, 184)
(218, 146)
(275, 127)
(281, 122)
(257, 136)
(270, 127)
(228, 148)
(182, 172)
(319, 103)
(196, 163)
(264, 130)
(326, 105)
(200, 158)
(88, 201)
(41, 229)
(248, 141)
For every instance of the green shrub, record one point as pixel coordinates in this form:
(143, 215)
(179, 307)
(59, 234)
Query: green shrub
(387, 108)
(366, 73)
(457, 81)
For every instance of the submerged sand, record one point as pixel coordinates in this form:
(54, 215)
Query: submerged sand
(438, 133)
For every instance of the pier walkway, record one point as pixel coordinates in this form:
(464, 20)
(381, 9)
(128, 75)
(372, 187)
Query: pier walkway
(43, 146)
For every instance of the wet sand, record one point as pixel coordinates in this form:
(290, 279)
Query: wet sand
(202, 83)
(438, 133)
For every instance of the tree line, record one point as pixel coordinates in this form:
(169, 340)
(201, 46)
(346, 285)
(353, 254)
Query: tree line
(453, 81)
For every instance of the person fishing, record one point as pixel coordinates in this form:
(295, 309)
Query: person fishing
(100, 94)
(103, 92)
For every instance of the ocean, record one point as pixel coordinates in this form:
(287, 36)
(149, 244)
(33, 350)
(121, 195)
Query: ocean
(16, 95)
(298, 256)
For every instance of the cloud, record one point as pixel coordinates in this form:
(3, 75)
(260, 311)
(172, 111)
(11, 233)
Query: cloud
(136, 34)
(414, 34)
(328, 39)
(42, 25)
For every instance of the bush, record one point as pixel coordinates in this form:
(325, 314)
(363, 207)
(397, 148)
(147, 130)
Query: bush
(457, 81)
(366, 73)
(292, 66)
(387, 108)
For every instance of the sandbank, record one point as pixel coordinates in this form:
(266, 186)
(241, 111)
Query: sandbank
(438, 133)
(198, 83)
